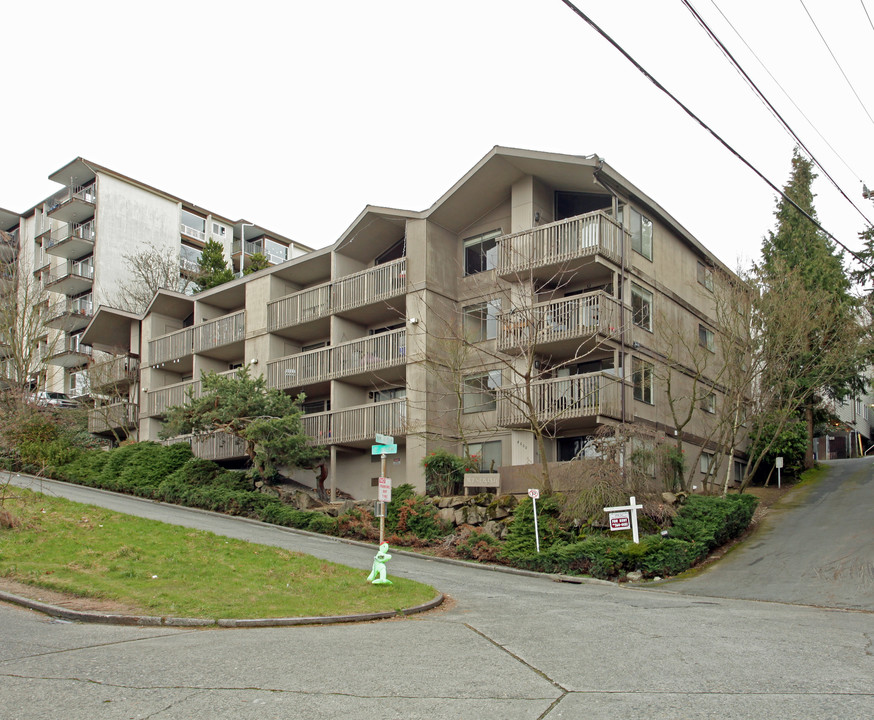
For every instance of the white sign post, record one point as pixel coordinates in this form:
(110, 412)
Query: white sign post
(778, 463)
(534, 493)
(621, 510)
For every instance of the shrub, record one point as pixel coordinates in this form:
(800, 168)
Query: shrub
(520, 540)
(409, 513)
(444, 472)
(713, 521)
(479, 545)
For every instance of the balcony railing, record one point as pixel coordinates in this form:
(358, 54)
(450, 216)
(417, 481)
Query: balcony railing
(192, 232)
(215, 446)
(113, 372)
(82, 231)
(113, 416)
(575, 317)
(74, 270)
(369, 354)
(575, 396)
(198, 338)
(221, 331)
(560, 242)
(356, 424)
(171, 395)
(189, 259)
(362, 288)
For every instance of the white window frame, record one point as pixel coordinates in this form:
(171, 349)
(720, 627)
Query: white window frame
(642, 316)
(641, 234)
(642, 376)
(481, 392)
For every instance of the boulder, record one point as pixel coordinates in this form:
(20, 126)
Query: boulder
(635, 576)
(446, 515)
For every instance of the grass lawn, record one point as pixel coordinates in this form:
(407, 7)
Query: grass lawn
(163, 569)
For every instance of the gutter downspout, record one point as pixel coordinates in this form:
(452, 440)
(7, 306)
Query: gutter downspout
(595, 173)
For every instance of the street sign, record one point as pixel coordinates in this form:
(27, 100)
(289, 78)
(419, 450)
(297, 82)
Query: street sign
(534, 493)
(620, 521)
(384, 490)
(383, 439)
(389, 449)
(778, 462)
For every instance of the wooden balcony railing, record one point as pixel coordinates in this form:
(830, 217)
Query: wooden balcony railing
(369, 354)
(576, 396)
(198, 338)
(221, 331)
(171, 395)
(113, 372)
(559, 242)
(356, 424)
(575, 317)
(114, 416)
(215, 446)
(362, 288)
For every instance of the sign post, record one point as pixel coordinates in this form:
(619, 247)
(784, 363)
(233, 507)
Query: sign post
(778, 463)
(534, 493)
(385, 446)
(619, 517)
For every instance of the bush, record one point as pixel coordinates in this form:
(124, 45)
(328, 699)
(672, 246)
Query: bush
(713, 521)
(479, 545)
(412, 514)
(444, 472)
(520, 540)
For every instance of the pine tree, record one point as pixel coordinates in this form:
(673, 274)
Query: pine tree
(214, 268)
(798, 247)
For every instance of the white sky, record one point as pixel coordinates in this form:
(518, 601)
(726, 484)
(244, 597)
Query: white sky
(297, 114)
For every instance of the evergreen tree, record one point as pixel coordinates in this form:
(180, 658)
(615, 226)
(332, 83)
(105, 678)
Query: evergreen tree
(796, 246)
(257, 261)
(214, 268)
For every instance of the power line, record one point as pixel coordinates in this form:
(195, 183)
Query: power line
(788, 96)
(866, 14)
(769, 105)
(836, 60)
(704, 125)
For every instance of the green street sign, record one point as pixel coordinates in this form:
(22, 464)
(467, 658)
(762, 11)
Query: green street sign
(381, 439)
(383, 449)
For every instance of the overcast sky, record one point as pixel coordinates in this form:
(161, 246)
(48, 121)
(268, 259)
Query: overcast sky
(297, 114)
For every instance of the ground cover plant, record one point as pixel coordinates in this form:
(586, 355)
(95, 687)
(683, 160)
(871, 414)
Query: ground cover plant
(168, 570)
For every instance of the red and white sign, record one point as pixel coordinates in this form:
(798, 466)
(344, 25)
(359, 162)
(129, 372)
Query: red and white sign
(534, 493)
(384, 490)
(620, 521)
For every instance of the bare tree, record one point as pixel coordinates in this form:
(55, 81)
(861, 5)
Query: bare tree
(111, 379)
(151, 270)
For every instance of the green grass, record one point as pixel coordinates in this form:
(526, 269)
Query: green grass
(167, 570)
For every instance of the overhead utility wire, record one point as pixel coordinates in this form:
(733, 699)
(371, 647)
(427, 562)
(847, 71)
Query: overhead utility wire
(767, 102)
(788, 96)
(836, 60)
(692, 115)
(866, 14)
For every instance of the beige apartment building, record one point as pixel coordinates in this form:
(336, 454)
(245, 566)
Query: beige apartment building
(75, 248)
(540, 286)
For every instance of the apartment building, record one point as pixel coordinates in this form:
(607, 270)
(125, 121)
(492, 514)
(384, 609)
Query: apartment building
(77, 246)
(540, 285)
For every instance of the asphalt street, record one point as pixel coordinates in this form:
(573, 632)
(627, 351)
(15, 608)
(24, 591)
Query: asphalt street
(508, 647)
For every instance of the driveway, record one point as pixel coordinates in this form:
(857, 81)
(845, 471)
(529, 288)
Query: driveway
(509, 647)
(816, 547)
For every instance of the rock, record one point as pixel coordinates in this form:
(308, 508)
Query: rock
(495, 529)
(635, 576)
(656, 578)
(669, 498)
(447, 515)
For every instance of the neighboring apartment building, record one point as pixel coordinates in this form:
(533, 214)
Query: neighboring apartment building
(76, 246)
(551, 262)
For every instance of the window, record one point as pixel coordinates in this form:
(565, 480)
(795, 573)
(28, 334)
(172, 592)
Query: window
(395, 252)
(706, 338)
(641, 378)
(705, 276)
(481, 253)
(641, 307)
(706, 462)
(481, 321)
(708, 403)
(571, 448)
(315, 406)
(218, 230)
(194, 222)
(387, 394)
(641, 234)
(481, 392)
(486, 455)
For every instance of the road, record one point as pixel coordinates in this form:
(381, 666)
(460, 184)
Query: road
(509, 647)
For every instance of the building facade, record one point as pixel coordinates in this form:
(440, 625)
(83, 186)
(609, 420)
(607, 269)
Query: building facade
(76, 248)
(541, 290)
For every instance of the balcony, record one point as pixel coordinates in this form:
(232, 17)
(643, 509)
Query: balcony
(70, 353)
(568, 320)
(275, 253)
(171, 395)
(122, 415)
(113, 374)
(191, 232)
(7, 279)
(576, 397)
(561, 247)
(376, 284)
(219, 333)
(77, 206)
(8, 246)
(356, 425)
(70, 315)
(189, 260)
(367, 355)
(78, 278)
(72, 241)
(215, 446)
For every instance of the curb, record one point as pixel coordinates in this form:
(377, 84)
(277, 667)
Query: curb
(166, 621)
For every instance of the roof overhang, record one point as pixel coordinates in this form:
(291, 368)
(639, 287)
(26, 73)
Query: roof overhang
(77, 172)
(110, 330)
(170, 303)
(9, 220)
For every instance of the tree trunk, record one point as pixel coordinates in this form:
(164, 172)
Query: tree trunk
(808, 452)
